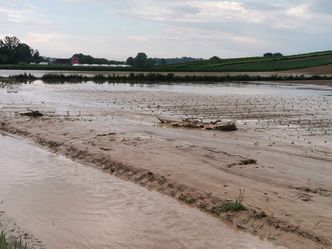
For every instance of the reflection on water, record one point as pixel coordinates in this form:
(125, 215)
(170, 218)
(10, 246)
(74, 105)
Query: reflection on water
(38, 73)
(68, 205)
(214, 89)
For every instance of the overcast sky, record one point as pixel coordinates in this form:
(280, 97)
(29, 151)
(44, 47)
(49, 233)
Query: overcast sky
(116, 29)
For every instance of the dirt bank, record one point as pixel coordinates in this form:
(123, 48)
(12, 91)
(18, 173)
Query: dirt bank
(321, 70)
(288, 192)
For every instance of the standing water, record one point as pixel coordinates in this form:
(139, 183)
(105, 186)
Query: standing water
(68, 205)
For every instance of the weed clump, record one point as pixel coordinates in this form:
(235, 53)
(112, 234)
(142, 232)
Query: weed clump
(4, 244)
(230, 126)
(230, 205)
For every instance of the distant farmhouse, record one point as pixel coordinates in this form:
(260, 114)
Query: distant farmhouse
(58, 61)
(75, 60)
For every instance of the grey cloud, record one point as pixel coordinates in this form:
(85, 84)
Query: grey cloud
(322, 6)
(201, 28)
(186, 9)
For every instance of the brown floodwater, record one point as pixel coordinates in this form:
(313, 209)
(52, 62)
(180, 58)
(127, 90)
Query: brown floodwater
(293, 114)
(69, 205)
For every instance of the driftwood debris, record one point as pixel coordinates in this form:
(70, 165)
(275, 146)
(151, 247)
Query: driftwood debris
(197, 124)
(31, 113)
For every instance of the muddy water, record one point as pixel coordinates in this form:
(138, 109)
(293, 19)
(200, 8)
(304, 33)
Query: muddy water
(40, 73)
(214, 89)
(68, 205)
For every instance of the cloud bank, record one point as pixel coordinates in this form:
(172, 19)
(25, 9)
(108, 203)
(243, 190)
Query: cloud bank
(167, 28)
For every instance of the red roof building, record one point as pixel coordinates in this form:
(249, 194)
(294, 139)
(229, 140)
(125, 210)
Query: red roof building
(74, 60)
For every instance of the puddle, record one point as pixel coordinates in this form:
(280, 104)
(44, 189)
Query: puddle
(68, 205)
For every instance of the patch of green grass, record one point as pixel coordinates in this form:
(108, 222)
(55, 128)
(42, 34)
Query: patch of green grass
(229, 205)
(4, 244)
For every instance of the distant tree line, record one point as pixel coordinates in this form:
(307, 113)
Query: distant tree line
(170, 61)
(142, 60)
(13, 51)
(88, 59)
(268, 55)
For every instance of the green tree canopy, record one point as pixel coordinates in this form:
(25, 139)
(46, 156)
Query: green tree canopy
(23, 53)
(12, 51)
(141, 60)
(215, 59)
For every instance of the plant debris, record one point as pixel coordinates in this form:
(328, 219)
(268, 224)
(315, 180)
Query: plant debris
(198, 124)
(248, 161)
(32, 113)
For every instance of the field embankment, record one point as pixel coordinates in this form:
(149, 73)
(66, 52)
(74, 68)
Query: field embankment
(318, 70)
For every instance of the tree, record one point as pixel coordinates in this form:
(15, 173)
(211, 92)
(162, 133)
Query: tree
(130, 61)
(4, 53)
(268, 55)
(36, 56)
(141, 60)
(215, 59)
(88, 59)
(23, 53)
(3, 58)
(278, 54)
(11, 43)
(149, 62)
(12, 51)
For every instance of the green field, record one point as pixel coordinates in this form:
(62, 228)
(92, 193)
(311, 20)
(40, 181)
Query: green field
(249, 64)
(256, 64)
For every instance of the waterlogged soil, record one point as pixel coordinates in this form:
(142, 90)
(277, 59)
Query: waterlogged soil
(68, 205)
(286, 129)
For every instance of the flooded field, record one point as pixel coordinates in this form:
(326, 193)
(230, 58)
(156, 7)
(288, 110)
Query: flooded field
(68, 205)
(292, 113)
(286, 129)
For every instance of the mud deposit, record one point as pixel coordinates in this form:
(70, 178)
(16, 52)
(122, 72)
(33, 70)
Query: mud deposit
(285, 129)
(68, 205)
